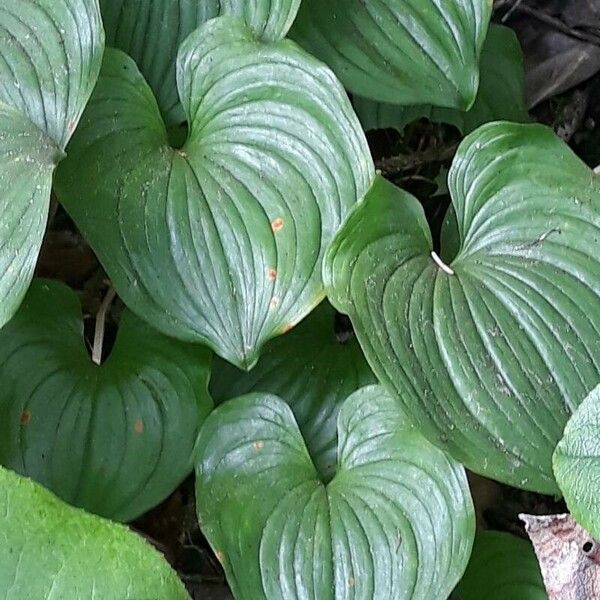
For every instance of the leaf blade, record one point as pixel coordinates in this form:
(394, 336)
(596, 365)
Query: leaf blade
(52, 549)
(476, 357)
(275, 155)
(411, 52)
(254, 444)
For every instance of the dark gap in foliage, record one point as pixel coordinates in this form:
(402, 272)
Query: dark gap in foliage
(342, 326)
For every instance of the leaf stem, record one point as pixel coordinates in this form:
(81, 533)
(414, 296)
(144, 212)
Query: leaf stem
(441, 264)
(100, 324)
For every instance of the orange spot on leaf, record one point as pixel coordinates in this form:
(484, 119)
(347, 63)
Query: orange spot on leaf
(272, 274)
(25, 417)
(277, 224)
(259, 445)
(138, 426)
(274, 302)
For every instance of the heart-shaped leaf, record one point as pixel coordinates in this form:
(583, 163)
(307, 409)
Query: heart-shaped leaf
(396, 522)
(577, 463)
(502, 567)
(50, 54)
(220, 242)
(399, 51)
(151, 33)
(501, 94)
(314, 369)
(51, 550)
(490, 355)
(114, 439)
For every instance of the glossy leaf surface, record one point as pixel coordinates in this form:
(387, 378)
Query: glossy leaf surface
(220, 242)
(502, 567)
(314, 369)
(115, 439)
(51, 550)
(501, 94)
(577, 464)
(492, 346)
(50, 55)
(396, 521)
(399, 51)
(151, 31)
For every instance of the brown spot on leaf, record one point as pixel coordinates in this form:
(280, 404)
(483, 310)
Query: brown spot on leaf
(272, 274)
(259, 445)
(25, 417)
(274, 302)
(351, 582)
(71, 126)
(138, 426)
(277, 224)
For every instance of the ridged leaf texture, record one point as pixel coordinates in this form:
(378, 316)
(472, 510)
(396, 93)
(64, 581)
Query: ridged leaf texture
(314, 369)
(577, 464)
(399, 51)
(220, 242)
(396, 522)
(51, 550)
(502, 567)
(491, 347)
(50, 55)
(501, 94)
(151, 31)
(115, 439)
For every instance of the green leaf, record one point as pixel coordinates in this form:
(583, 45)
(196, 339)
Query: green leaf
(115, 439)
(152, 31)
(50, 54)
(502, 567)
(314, 370)
(501, 93)
(577, 463)
(396, 522)
(51, 550)
(399, 51)
(220, 242)
(491, 350)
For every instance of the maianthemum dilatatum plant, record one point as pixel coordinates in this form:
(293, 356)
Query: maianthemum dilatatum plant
(213, 155)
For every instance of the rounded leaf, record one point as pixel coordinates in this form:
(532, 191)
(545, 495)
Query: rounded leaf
(314, 370)
(50, 55)
(115, 439)
(501, 93)
(220, 242)
(399, 51)
(51, 550)
(151, 33)
(502, 567)
(577, 463)
(396, 522)
(488, 351)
